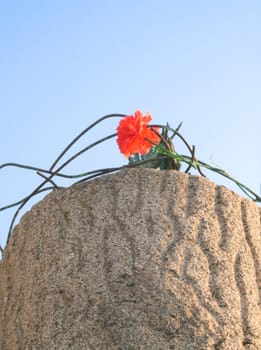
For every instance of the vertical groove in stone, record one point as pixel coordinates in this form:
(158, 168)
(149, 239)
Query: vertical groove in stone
(142, 259)
(250, 219)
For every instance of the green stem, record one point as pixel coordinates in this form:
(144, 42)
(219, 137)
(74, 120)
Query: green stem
(195, 163)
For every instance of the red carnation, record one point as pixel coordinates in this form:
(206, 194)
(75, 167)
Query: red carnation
(134, 135)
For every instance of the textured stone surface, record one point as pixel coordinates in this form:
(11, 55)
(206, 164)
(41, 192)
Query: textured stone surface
(142, 259)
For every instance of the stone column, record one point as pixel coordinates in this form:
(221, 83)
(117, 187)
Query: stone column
(141, 259)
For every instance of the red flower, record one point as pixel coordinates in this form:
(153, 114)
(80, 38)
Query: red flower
(134, 133)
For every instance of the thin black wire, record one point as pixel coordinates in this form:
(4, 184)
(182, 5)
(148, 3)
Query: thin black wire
(102, 172)
(83, 133)
(64, 164)
(113, 170)
(23, 199)
(256, 198)
(83, 151)
(48, 179)
(176, 130)
(29, 167)
(192, 160)
(176, 133)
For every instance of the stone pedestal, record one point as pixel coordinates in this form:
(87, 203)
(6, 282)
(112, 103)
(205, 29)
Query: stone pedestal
(141, 259)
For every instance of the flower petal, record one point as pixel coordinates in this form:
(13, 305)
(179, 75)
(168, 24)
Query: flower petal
(134, 135)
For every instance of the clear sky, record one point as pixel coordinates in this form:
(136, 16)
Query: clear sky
(63, 64)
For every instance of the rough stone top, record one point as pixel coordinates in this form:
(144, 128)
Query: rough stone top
(140, 259)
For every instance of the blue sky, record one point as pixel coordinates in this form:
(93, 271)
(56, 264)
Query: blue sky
(63, 64)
